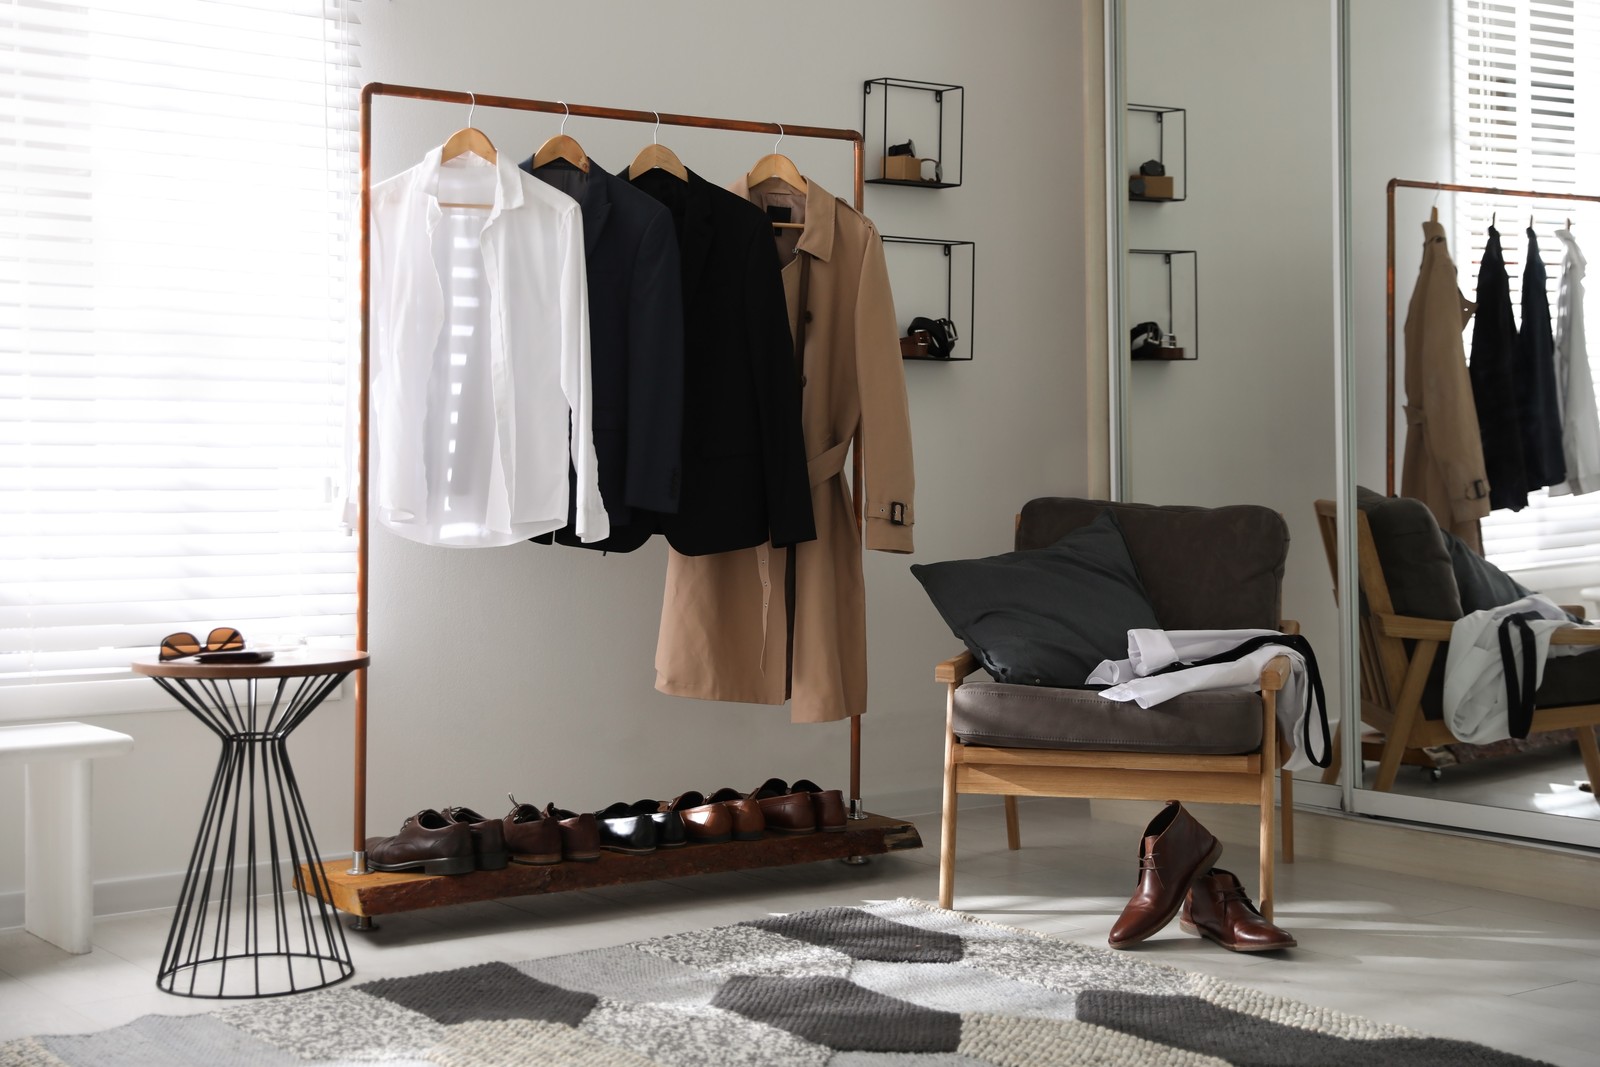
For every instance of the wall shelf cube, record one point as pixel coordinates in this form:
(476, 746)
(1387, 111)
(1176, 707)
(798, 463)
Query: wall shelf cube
(931, 115)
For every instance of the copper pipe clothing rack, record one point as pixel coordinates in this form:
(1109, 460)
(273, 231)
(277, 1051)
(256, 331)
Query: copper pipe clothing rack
(1388, 306)
(450, 96)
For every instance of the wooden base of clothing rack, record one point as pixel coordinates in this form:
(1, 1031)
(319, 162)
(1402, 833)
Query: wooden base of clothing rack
(1388, 305)
(363, 893)
(387, 894)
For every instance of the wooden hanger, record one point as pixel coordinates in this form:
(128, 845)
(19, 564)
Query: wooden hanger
(657, 156)
(468, 139)
(562, 147)
(782, 168)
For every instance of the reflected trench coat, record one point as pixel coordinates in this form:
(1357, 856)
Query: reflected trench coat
(725, 618)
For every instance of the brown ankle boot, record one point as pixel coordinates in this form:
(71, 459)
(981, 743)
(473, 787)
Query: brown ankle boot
(1174, 851)
(1218, 909)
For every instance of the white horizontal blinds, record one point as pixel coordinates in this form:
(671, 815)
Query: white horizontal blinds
(1527, 116)
(175, 197)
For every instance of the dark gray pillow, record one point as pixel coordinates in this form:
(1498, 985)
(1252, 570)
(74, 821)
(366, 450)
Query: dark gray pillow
(1045, 616)
(1412, 551)
(1481, 584)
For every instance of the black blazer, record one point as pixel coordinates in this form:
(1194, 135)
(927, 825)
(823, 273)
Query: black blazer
(635, 350)
(1538, 397)
(1494, 338)
(744, 456)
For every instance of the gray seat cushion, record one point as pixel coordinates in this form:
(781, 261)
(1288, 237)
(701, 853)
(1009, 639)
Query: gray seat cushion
(1023, 716)
(1202, 568)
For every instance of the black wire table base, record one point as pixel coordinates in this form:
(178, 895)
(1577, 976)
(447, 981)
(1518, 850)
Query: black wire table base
(241, 928)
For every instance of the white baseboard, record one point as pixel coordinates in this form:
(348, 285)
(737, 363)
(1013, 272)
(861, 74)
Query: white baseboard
(1543, 872)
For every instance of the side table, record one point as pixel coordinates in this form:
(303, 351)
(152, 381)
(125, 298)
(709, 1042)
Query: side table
(241, 929)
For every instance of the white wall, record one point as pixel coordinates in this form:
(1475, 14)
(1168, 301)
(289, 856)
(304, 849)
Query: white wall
(1252, 420)
(529, 669)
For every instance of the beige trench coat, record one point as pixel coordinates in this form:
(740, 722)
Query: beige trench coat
(725, 618)
(1444, 453)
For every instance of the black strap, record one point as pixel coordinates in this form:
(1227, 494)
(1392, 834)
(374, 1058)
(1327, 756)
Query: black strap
(800, 369)
(1519, 705)
(1315, 701)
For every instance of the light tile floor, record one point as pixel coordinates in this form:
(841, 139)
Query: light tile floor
(1512, 972)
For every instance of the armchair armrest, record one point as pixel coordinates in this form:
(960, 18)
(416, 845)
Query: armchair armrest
(1576, 609)
(1410, 626)
(954, 669)
(1275, 673)
(1288, 626)
(1576, 636)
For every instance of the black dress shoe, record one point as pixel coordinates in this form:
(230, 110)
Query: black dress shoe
(670, 831)
(621, 830)
(488, 838)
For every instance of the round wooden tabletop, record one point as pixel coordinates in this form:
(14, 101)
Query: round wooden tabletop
(293, 664)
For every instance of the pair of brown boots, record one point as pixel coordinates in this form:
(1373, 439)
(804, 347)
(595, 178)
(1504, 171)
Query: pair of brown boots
(1176, 875)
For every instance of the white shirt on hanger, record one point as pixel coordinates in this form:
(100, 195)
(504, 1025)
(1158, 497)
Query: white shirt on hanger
(1580, 420)
(480, 357)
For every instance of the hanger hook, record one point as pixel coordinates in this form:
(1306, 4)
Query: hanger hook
(779, 141)
(655, 134)
(565, 117)
(473, 108)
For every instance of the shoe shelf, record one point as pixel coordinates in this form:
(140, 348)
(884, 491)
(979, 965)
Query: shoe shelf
(379, 893)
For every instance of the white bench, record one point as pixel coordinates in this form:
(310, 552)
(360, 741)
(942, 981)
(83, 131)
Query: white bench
(59, 889)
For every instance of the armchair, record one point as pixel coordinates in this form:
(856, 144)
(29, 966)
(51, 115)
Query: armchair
(1216, 568)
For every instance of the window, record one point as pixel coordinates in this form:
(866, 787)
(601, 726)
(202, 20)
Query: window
(174, 208)
(1527, 116)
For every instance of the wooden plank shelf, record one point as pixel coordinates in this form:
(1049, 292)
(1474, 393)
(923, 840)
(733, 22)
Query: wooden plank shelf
(380, 893)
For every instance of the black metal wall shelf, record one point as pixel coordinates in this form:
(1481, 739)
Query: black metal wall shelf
(959, 257)
(1173, 154)
(1180, 301)
(881, 127)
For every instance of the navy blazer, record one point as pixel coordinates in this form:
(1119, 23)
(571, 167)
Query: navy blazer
(635, 350)
(745, 479)
(1538, 396)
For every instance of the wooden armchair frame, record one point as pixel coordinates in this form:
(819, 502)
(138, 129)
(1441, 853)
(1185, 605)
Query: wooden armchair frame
(1392, 680)
(1040, 772)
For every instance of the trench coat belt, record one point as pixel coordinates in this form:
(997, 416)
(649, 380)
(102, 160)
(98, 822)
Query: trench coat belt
(827, 465)
(1414, 415)
(821, 468)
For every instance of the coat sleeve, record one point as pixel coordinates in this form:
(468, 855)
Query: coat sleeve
(884, 437)
(777, 382)
(655, 371)
(1452, 418)
(576, 383)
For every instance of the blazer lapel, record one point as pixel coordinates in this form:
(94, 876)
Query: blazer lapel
(695, 240)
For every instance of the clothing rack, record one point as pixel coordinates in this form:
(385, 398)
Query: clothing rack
(1388, 307)
(450, 96)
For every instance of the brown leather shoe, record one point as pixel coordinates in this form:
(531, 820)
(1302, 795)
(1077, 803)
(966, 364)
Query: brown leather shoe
(427, 842)
(706, 824)
(488, 837)
(1174, 851)
(826, 804)
(1218, 909)
(530, 837)
(784, 810)
(749, 824)
(580, 834)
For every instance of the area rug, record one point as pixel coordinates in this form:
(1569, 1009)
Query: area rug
(900, 984)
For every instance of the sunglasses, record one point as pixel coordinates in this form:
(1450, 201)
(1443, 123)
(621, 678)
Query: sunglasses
(224, 639)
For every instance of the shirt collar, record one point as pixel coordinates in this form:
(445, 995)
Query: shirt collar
(507, 186)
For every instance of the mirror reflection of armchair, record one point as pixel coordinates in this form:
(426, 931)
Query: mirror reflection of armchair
(1402, 659)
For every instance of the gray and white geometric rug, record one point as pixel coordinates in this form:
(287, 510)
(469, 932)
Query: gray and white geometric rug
(903, 984)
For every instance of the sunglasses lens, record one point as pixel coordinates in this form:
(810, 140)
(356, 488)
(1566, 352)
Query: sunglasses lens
(224, 639)
(179, 645)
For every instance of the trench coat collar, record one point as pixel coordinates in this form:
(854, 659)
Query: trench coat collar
(593, 194)
(507, 185)
(821, 208)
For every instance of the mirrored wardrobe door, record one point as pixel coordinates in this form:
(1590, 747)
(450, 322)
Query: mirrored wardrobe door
(1464, 428)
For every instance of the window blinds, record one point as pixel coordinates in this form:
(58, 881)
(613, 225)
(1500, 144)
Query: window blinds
(1527, 116)
(175, 200)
